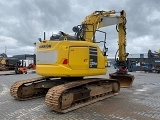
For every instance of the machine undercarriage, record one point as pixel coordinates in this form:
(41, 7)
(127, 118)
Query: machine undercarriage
(63, 95)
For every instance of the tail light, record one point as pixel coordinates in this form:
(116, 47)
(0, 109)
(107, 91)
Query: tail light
(65, 61)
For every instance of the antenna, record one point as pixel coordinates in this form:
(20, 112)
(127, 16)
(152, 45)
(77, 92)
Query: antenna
(44, 35)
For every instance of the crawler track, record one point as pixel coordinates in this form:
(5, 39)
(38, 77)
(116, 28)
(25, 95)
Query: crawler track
(65, 95)
(16, 90)
(32, 88)
(73, 95)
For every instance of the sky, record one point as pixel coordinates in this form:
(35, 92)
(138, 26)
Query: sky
(22, 22)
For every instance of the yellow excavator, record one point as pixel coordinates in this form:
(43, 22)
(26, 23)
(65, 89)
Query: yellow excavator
(65, 63)
(7, 63)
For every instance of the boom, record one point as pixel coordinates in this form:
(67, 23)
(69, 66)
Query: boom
(99, 19)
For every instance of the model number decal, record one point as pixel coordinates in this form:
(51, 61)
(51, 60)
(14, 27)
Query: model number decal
(93, 62)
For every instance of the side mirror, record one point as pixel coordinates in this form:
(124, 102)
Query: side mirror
(105, 52)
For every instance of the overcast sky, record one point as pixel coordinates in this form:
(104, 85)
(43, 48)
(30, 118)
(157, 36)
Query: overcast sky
(22, 22)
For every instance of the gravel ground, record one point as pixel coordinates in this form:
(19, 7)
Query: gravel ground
(140, 102)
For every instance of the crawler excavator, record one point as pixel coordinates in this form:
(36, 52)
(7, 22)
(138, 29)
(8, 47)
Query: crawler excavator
(65, 61)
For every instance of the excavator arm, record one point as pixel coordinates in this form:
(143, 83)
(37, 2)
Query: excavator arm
(99, 19)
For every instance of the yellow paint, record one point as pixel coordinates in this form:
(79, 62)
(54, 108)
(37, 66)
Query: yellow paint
(78, 60)
(77, 52)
